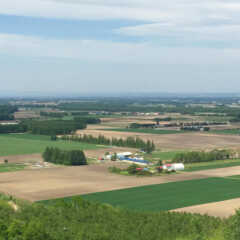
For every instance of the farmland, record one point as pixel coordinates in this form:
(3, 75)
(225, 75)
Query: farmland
(171, 195)
(11, 167)
(211, 165)
(50, 183)
(227, 131)
(150, 131)
(174, 142)
(163, 155)
(15, 144)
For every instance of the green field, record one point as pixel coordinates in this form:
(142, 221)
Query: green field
(11, 167)
(171, 195)
(227, 131)
(150, 131)
(169, 155)
(212, 165)
(14, 144)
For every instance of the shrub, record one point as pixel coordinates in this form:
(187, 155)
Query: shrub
(132, 169)
(115, 169)
(144, 173)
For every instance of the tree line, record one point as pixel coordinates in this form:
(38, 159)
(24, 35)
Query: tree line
(147, 146)
(194, 157)
(70, 158)
(78, 219)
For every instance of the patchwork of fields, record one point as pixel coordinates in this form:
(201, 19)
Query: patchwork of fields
(200, 185)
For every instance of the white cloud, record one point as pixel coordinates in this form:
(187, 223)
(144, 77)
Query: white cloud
(104, 51)
(151, 10)
(81, 10)
(189, 20)
(226, 33)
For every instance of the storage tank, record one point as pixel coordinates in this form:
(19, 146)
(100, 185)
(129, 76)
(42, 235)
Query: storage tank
(177, 166)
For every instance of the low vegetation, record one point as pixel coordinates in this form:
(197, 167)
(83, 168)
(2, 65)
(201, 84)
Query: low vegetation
(11, 167)
(191, 167)
(235, 131)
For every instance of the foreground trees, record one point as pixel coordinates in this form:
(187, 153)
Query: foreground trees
(77, 219)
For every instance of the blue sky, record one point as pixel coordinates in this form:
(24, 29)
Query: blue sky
(114, 46)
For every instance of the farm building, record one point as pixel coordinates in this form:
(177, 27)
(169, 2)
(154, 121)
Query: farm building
(124, 154)
(174, 167)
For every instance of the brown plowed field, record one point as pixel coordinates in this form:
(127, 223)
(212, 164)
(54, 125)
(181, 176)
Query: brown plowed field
(53, 183)
(175, 141)
(221, 209)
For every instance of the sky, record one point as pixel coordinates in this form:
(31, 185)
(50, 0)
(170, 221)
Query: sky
(110, 46)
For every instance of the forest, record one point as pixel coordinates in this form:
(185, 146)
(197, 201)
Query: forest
(78, 219)
(6, 112)
(13, 128)
(195, 156)
(54, 127)
(132, 142)
(53, 114)
(69, 158)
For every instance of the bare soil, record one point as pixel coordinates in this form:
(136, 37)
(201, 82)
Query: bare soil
(29, 158)
(221, 209)
(175, 141)
(42, 184)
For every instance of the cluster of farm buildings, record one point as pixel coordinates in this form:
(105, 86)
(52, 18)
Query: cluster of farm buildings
(131, 158)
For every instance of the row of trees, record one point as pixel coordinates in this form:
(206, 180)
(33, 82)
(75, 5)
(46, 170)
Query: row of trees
(147, 146)
(58, 156)
(192, 157)
(77, 219)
